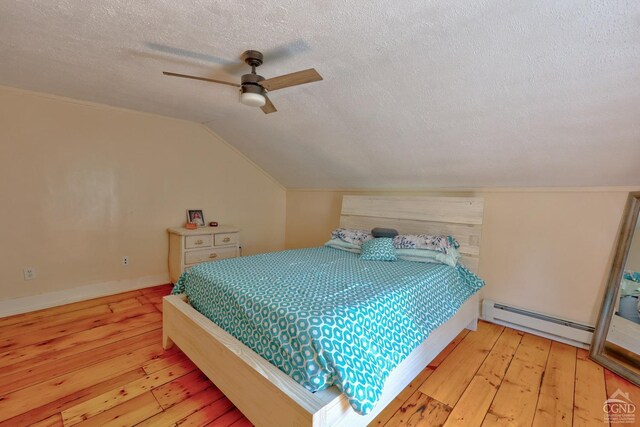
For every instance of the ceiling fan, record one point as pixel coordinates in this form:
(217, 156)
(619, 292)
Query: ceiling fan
(254, 87)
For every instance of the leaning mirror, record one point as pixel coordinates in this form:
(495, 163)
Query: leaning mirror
(616, 340)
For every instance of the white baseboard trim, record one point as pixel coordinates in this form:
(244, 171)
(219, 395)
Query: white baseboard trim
(12, 306)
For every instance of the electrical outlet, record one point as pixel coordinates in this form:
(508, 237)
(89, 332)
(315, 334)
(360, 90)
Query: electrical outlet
(30, 273)
(125, 260)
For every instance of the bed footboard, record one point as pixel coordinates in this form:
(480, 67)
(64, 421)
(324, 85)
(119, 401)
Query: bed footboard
(266, 395)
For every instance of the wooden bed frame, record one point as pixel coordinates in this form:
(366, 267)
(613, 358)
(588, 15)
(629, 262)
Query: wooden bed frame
(269, 397)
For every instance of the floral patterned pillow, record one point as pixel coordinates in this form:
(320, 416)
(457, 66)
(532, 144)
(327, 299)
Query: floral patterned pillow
(425, 241)
(350, 235)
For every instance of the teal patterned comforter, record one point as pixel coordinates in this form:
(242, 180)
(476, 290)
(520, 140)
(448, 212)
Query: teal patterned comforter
(325, 317)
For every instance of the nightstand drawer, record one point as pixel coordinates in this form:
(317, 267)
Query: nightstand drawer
(199, 241)
(226, 239)
(195, 257)
(190, 247)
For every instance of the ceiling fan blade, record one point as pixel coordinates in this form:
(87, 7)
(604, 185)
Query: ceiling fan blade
(293, 79)
(268, 107)
(186, 76)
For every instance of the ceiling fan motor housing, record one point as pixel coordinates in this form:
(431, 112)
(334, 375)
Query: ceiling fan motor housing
(253, 89)
(251, 79)
(253, 58)
(251, 93)
(251, 84)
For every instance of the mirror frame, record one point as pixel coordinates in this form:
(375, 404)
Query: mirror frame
(597, 353)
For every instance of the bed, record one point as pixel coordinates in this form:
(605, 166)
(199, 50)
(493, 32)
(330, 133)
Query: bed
(268, 396)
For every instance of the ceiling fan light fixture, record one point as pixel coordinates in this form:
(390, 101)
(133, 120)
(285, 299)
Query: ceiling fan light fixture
(252, 99)
(252, 95)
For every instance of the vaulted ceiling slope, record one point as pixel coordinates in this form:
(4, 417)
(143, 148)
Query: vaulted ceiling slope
(415, 94)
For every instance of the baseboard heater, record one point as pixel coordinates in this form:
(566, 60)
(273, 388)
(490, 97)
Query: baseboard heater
(562, 330)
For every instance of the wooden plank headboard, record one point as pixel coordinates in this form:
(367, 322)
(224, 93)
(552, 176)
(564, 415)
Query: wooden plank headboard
(460, 217)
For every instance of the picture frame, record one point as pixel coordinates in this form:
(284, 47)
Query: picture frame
(196, 216)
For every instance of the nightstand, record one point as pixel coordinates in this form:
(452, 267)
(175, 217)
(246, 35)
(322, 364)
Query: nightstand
(188, 248)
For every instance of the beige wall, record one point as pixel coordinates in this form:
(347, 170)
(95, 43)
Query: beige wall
(547, 250)
(82, 185)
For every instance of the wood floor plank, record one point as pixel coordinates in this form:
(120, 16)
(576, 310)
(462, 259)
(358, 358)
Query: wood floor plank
(32, 371)
(420, 410)
(555, 402)
(95, 335)
(184, 408)
(92, 407)
(49, 333)
(127, 413)
(226, 419)
(166, 288)
(54, 420)
(157, 292)
(590, 392)
(34, 326)
(205, 415)
(181, 388)
(451, 378)
(58, 405)
(448, 349)
(163, 362)
(622, 418)
(474, 403)
(25, 399)
(516, 399)
(242, 422)
(25, 378)
(52, 312)
(402, 397)
(124, 305)
(154, 297)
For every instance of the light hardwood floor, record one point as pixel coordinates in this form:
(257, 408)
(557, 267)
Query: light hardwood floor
(100, 363)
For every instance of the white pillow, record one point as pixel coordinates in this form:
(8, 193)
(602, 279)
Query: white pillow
(343, 246)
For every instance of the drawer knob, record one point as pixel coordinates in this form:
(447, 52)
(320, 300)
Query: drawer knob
(226, 239)
(199, 242)
(213, 256)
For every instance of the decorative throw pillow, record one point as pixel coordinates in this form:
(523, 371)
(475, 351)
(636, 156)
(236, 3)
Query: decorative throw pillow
(384, 232)
(380, 249)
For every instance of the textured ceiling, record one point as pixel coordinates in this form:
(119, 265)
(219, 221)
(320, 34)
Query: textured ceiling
(415, 93)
